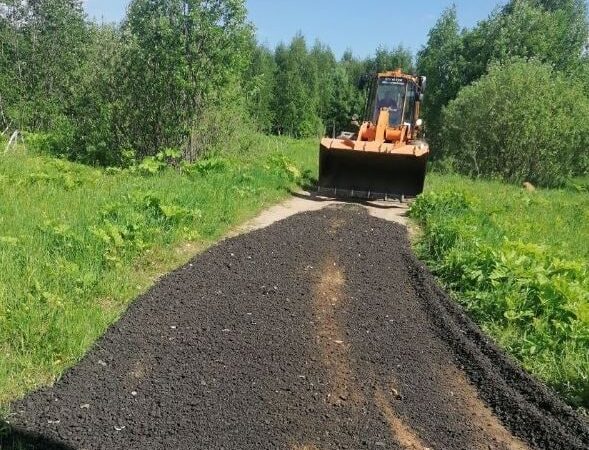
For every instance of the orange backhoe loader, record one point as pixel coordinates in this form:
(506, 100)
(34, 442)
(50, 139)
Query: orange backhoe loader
(385, 158)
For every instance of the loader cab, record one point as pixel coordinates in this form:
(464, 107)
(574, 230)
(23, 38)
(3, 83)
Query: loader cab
(397, 94)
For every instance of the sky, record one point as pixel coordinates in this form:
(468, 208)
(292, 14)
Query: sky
(359, 25)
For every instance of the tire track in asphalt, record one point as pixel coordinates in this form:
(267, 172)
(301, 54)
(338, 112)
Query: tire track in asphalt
(328, 299)
(343, 382)
(399, 429)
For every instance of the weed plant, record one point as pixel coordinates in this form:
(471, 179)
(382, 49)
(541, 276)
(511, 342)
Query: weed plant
(518, 262)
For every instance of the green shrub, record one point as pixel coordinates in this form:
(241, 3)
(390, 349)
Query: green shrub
(207, 165)
(521, 122)
(59, 142)
(280, 164)
(530, 293)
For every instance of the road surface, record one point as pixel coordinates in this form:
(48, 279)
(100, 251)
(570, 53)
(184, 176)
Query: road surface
(321, 331)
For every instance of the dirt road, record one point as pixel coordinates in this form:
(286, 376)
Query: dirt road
(321, 331)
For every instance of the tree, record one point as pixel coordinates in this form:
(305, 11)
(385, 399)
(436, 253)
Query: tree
(552, 31)
(180, 54)
(571, 16)
(343, 103)
(296, 95)
(260, 87)
(441, 61)
(523, 121)
(581, 73)
(385, 59)
(355, 72)
(98, 112)
(323, 61)
(354, 67)
(42, 84)
(8, 48)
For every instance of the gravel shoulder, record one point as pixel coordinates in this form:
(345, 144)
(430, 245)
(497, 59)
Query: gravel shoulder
(321, 331)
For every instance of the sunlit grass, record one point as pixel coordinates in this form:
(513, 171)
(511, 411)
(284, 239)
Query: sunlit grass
(556, 218)
(77, 244)
(518, 261)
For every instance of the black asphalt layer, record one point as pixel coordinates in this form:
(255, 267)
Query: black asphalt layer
(320, 332)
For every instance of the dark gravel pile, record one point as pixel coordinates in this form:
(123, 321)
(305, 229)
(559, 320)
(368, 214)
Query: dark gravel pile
(319, 332)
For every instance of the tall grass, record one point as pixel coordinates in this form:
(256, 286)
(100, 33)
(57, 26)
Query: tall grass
(518, 262)
(77, 244)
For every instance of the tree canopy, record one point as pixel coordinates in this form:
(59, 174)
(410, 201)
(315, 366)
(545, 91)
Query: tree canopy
(189, 75)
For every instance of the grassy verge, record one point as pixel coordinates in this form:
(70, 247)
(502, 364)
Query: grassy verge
(518, 261)
(77, 244)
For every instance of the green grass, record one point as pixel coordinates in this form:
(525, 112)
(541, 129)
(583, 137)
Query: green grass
(77, 244)
(518, 262)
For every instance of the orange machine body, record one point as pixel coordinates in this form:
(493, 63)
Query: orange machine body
(386, 157)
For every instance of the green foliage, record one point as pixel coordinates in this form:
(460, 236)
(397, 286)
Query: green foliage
(99, 111)
(152, 82)
(521, 122)
(179, 53)
(353, 95)
(57, 143)
(297, 91)
(344, 102)
(526, 29)
(154, 164)
(77, 244)
(323, 60)
(518, 262)
(42, 46)
(385, 59)
(314, 94)
(186, 74)
(283, 166)
(551, 32)
(208, 165)
(260, 87)
(441, 61)
(566, 29)
(223, 126)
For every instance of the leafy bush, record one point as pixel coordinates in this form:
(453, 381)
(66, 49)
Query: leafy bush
(521, 122)
(154, 164)
(59, 142)
(280, 164)
(552, 32)
(207, 166)
(532, 298)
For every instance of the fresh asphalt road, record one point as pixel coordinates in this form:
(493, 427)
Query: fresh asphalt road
(321, 331)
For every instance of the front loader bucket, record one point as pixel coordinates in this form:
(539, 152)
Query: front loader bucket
(370, 175)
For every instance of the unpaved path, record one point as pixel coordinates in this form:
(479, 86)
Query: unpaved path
(319, 332)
